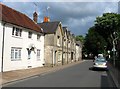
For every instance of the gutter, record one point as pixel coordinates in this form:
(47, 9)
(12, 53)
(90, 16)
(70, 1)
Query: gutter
(3, 46)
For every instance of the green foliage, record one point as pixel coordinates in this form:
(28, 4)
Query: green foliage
(80, 38)
(101, 34)
(94, 42)
(106, 25)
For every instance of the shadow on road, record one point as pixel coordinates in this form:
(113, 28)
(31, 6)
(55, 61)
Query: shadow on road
(96, 69)
(107, 83)
(104, 81)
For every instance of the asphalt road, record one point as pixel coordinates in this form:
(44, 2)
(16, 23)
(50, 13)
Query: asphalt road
(75, 76)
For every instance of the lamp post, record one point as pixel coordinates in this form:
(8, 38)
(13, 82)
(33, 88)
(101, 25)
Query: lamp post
(113, 52)
(113, 42)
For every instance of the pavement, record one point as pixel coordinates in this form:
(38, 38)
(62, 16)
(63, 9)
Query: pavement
(10, 76)
(115, 75)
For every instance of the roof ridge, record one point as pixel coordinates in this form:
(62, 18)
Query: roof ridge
(50, 22)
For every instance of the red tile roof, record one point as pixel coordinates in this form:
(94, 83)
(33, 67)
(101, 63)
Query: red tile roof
(12, 16)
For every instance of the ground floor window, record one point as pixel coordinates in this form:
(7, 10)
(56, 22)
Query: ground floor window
(59, 56)
(38, 54)
(15, 54)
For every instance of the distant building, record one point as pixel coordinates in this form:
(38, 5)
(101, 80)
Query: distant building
(78, 51)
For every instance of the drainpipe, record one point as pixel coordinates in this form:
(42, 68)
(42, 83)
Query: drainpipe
(3, 46)
(62, 51)
(67, 50)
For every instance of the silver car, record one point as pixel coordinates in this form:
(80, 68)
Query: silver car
(100, 63)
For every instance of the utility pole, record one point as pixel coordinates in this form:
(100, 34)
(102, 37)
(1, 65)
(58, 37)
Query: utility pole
(35, 6)
(114, 49)
(62, 50)
(48, 10)
(114, 52)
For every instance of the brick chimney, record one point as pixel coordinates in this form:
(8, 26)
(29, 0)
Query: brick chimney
(35, 16)
(46, 19)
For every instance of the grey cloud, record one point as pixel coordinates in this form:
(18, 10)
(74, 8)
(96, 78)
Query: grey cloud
(78, 16)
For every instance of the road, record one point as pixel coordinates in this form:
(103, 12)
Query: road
(75, 76)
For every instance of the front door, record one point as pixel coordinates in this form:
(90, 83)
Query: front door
(55, 57)
(29, 59)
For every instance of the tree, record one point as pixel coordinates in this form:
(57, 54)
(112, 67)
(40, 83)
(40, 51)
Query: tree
(80, 38)
(106, 25)
(94, 42)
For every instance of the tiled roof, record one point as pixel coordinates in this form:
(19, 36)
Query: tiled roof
(49, 27)
(12, 16)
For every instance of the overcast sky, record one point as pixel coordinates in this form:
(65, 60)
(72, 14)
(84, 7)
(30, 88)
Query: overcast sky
(77, 16)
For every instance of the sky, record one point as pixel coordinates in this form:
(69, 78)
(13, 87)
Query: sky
(78, 16)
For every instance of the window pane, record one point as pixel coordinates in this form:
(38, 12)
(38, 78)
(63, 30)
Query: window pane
(12, 53)
(30, 35)
(15, 53)
(38, 37)
(13, 30)
(19, 54)
(38, 54)
(20, 32)
(17, 31)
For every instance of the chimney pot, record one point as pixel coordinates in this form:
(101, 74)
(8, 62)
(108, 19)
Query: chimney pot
(46, 19)
(35, 16)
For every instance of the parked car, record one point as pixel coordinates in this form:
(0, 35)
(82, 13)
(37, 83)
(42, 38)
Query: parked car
(100, 63)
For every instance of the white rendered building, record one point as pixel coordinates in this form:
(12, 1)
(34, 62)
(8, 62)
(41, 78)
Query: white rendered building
(21, 41)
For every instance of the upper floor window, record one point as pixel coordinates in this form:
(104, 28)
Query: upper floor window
(69, 43)
(29, 34)
(64, 42)
(38, 36)
(17, 32)
(58, 40)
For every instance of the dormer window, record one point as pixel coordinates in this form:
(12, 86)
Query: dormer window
(29, 34)
(17, 32)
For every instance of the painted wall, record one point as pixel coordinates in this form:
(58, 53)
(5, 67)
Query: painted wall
(1, 39)
(49, 39)
(23, 43)
(78, 53)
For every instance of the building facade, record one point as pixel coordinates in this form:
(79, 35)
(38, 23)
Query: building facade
(65, 43)
(53, 42)
(78, 51)
(21, 41)
(71, 47)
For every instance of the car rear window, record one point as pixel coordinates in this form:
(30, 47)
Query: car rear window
(101, 59)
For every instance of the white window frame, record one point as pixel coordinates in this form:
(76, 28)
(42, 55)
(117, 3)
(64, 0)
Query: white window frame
(38, 54)
(15, 53)
(17, 32)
